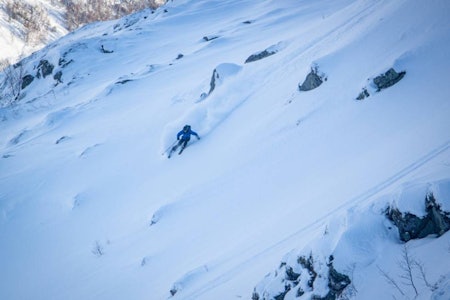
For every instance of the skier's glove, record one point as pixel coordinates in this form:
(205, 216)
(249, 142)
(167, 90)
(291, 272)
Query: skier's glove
(198, 138)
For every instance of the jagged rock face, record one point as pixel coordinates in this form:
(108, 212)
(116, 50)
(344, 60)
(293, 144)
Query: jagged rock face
(58, 76)
(412, 227)
(388, 79)
(363, 94)
(258, 56)
(220, 73)
(312, 81)
(337, 282)
(44, 69)
(210, 38)
(26, 81)
(212, 83)
(382, 81)
(298, 281)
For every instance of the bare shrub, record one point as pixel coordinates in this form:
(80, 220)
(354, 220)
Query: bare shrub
(34, 18)
(98, 250)
(11, 86)
(79, 12)
(411, 270)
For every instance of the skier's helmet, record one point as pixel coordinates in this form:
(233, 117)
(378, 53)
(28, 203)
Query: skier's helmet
(186, 128)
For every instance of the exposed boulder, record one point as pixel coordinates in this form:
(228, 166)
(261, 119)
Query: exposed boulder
(212, 83)
(364, 94)
(63, 62)
(259, 55)
(388, 79)
(27, 80)
(312, 81)
(265, 53)
(221, 72)
(58, 76)
(210, 37)
(382, 81)
(410, 226)
(45, 68)
(337, 282)
(103, 50)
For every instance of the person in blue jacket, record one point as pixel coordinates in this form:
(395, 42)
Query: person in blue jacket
(183, 138)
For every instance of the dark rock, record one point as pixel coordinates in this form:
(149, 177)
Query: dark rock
(180, 56)
(312, 81)
(337, 282)
(255, 296)
(260, 55)
(412, 227)
(287, 288)
(288, 282)
(364, 94)
(44, 68)
(27, 80)
(58, 76)
(210, 38)
(388, 79)
(63, 62)
(291, 275)
(61, 139)
(18, 138)
(104, 50)
(308, 263)
(212, 83)
(123, 81)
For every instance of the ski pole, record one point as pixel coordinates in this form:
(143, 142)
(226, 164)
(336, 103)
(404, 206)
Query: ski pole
(165, 151)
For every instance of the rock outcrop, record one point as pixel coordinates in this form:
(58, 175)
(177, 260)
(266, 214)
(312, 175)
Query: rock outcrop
(299, 280)
(382, 81)
(45, 68)
(259, 56)
(312, 81)
(410, 226)
(388, 79)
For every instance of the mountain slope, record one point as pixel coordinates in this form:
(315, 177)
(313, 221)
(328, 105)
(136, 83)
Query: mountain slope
(35, 24)
(89, 208)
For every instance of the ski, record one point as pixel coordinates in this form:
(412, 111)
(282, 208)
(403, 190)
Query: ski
(170, 149)
(181, 151)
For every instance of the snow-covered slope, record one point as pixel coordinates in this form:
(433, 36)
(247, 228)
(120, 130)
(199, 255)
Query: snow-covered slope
(91, 209)
(16, 40)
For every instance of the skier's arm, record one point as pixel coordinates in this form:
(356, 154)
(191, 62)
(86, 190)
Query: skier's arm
(195, 133)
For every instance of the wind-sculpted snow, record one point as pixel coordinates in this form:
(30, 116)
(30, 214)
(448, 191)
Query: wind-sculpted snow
(208, 113)
(355, 239)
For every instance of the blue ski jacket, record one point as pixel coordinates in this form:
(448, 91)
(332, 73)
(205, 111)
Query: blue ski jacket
(186, 135)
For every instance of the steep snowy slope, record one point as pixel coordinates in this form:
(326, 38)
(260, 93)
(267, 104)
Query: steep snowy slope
(91, 209)
(17, 41)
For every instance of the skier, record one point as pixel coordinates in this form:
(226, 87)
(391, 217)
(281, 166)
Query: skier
(183, 138)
